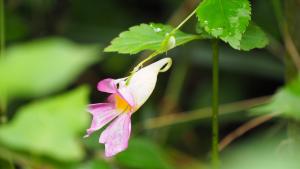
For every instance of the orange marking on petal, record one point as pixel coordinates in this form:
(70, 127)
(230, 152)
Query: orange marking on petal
(121, 104)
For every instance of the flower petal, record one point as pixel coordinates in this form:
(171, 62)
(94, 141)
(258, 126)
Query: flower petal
(98, 107)
(116, 136)
(102, 113)
(107, 85)
(142, 83)
(125, 93)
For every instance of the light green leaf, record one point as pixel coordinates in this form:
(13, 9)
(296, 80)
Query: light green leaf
(142, 154)
(146, 37)
(225, 19)
(50, 127)
(43, 66)
(254, 37)
(285, 102)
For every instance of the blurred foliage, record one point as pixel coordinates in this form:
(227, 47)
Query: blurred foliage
(45, 130)
(43, 67)
(95, 164)
(142, 154)
(285, 102)
(260, 152)
(50, 127)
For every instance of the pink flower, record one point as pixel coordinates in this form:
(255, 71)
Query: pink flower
(123, 101)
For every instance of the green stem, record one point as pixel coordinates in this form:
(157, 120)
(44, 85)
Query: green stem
(2, 31)
(215, 105)
(157, 52)
(184, 21)
(2, 50)
(3, 99)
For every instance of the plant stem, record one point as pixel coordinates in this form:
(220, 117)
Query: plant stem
(3, 99)
(157, 52)
(2, 31)
(2, 52)
(184, 21)
(215, 105)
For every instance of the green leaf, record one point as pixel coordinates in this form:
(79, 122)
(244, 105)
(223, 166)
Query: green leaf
(50, 127)
(142, 154)
(200, 30)
(254, 37)
(43, 66)
(146, 37)
(225, 19)
(285, 102)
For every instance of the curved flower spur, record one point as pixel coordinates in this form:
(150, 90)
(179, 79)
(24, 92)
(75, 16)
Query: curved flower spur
(127, 95)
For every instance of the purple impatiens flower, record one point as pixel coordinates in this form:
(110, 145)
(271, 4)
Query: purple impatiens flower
(123, 101)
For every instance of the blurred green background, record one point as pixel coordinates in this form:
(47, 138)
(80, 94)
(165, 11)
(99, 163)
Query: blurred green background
(54, 60)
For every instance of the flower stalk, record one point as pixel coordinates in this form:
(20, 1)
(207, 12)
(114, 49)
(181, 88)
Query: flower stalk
(215, 105)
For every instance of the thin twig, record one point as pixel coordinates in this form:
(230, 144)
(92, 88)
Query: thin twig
(283, 27)
(183, 117)
(290, 47)
(243, 129)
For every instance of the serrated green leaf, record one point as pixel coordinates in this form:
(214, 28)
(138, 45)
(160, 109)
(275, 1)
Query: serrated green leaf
(285, 102)
(50, 127)
(200, 30)
(44, 66)
(254, 37)
(225, 19)
(146, 37)
(142, 154)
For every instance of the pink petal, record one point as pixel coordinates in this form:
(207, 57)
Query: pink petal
(98, 107)
(107, 85)
(116, 136)
(102, 113)
(111, 98)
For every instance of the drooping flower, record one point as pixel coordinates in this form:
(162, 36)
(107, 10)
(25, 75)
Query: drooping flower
(126, 97)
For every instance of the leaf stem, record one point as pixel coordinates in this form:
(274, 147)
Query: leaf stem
(184, 21)
(157, 52)
(215, 105)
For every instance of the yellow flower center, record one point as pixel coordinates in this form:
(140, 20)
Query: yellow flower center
(121, 104)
